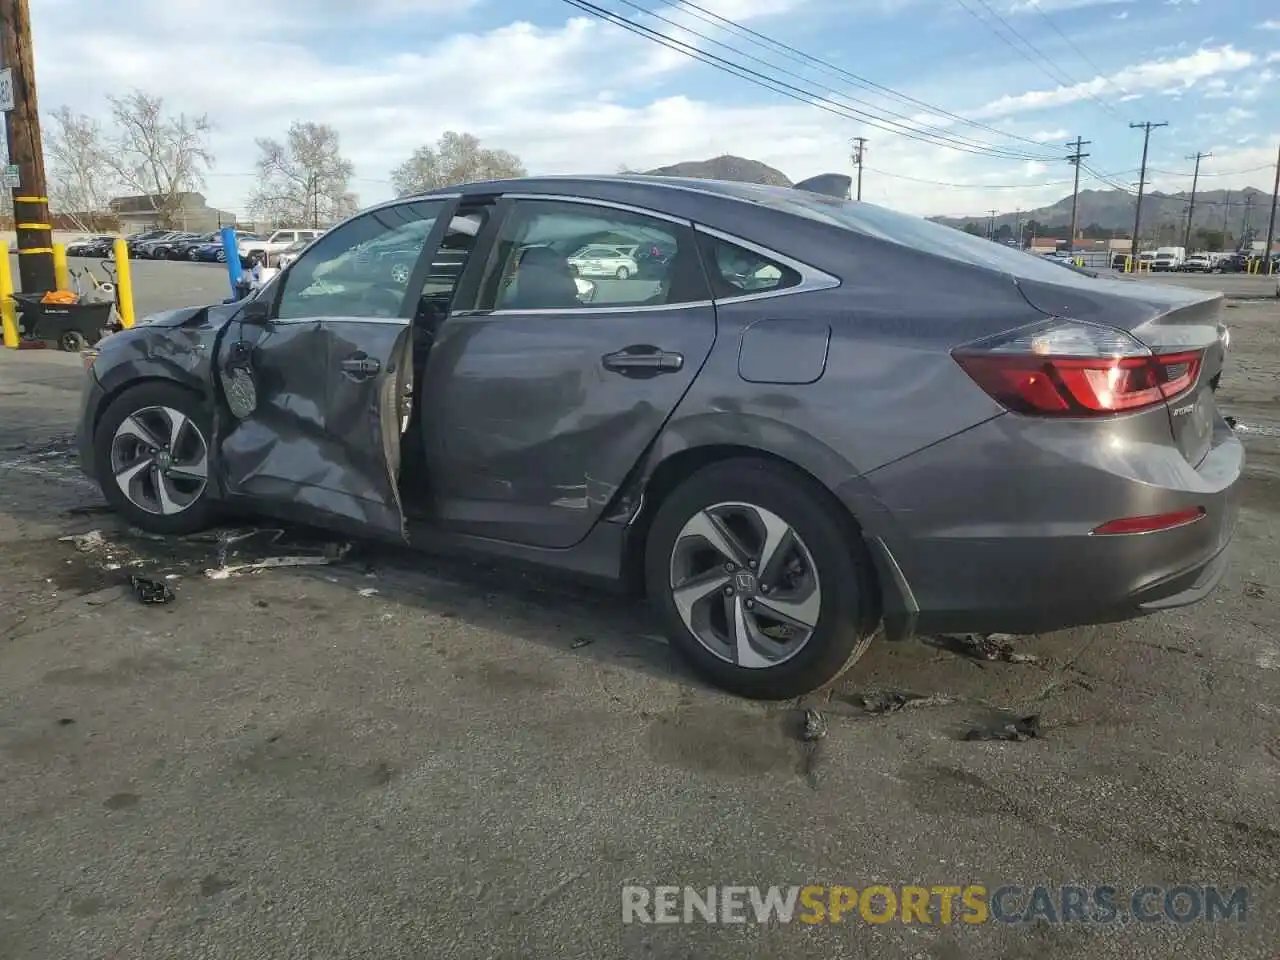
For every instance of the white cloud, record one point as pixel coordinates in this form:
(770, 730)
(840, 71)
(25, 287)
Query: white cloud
(1269, 25)
(1122, 15)
(1155, 75)
(1045, 136)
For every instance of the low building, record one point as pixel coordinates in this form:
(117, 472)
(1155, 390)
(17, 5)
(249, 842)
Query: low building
(190, 211)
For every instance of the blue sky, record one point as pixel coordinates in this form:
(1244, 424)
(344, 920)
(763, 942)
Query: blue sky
(1009, 81)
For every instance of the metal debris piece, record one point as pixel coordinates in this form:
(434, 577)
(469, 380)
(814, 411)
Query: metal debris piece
(1016, 731)
(1254, 591)
(815, 726)
(984, 646)
(267, 563)
(881, 702)
(367, 592)
(151, 591)
(580, 642)
(86, 542)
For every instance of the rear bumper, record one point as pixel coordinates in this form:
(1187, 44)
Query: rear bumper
(1007, 545)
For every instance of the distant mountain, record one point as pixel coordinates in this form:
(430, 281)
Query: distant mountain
(1164, 215)
(725, 168)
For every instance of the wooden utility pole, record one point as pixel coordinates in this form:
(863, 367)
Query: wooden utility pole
(26, 151)
(1191, 210)
(1074, 159)
(1271, 226)
(859, 150)
(1146, 129)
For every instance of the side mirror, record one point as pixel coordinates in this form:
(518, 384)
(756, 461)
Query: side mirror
(256, 311)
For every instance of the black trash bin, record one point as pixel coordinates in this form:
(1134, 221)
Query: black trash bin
(67, 326)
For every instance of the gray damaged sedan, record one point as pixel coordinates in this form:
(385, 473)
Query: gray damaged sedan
(801, 422)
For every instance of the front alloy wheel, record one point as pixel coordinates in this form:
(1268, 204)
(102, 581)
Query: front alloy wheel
(152, 455)
(160, 460)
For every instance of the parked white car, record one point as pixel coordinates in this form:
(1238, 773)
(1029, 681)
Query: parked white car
(290, 253)
(277, 242)
(1198, 263)
(600, 261)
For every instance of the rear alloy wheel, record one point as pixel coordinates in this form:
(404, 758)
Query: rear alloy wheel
(623, 273)
(760, 590)
(152, 455)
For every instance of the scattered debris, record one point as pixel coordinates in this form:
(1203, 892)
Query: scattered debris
(268, 563)
(880, 702)
(86, 542)
(580, 642)
(983, 646)
(814, 727)
(261, 603)
(367, 592)
(1016, 731)
(151, 591)
(66, 721)
(1254, 591)
(1230, 421)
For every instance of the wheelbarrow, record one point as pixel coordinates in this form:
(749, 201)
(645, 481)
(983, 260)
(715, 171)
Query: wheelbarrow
(66, 326)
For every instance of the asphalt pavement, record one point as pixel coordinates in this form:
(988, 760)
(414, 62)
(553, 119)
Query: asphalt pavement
(394, 756)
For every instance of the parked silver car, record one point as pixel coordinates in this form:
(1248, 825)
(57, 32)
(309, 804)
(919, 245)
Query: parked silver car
(816, 419)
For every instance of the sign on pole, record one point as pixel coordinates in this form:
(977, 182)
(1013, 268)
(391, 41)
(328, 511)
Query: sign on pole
(6, 89)
(12, 176)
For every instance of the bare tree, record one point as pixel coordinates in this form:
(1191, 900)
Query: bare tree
(304, 180)
(456, 158)
(80, 173)
(158, 154)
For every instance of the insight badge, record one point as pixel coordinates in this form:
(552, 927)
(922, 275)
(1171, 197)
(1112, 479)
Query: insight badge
(934, 905)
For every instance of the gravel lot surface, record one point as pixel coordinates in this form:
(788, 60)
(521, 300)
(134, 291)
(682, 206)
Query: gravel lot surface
(411, 757)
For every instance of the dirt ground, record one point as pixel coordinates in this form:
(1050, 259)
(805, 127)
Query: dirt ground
(389, 757)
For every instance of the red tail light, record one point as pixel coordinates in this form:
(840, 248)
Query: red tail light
(1150, 524)
(1069, 369)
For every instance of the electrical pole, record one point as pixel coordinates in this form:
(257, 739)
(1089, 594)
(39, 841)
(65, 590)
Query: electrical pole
(1146, 129)
(1191, 210)
(1271, 226)
(1017, 233)
(1074, 159)
(1244, 226)
(991, 224)
(1226, 220)
(26, 151)
(859, 149)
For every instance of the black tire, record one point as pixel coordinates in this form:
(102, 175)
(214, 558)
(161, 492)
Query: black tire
(202, 512)
(849, 604)
(72, 341)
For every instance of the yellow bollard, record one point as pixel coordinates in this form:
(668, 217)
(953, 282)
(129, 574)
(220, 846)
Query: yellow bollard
(8, 308)
(124, 283)
(61, 275)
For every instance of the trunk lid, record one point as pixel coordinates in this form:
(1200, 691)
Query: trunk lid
(1166, 318)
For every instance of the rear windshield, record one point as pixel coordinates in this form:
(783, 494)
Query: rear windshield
(903, 229)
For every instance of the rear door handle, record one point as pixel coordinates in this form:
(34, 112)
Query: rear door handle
(643, 359)
(360, 366)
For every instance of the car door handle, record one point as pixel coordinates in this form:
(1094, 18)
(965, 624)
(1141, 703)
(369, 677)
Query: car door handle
(360, 367)
(648, 359)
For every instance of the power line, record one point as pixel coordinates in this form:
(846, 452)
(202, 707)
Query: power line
(1035, 5)
(984, 186)
(1213, 173)
(901, 121)
(1057, 74)
(790, 52)
(794, 92)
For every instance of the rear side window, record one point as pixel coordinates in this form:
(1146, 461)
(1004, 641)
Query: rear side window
(736, 271)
